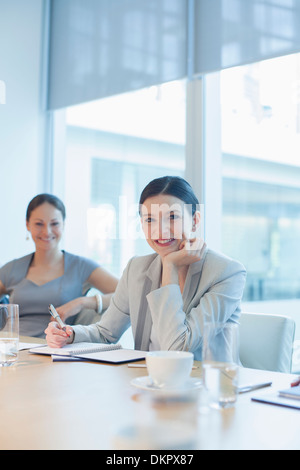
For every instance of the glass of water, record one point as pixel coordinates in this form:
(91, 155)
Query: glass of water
(220, 360)
(9, 334)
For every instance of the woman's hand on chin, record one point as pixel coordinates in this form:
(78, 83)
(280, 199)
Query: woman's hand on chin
(190, 251)
(175, 264)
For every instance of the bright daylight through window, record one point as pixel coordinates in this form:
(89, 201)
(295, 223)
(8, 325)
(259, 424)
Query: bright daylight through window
(115, 146)
(261, 174)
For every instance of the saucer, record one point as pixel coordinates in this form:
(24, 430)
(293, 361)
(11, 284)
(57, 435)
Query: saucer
(146, 383)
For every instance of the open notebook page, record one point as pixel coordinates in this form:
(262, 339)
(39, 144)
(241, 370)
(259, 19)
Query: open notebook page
(76, 348)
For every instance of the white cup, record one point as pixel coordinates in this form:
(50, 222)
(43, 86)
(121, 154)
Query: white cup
(169, 369)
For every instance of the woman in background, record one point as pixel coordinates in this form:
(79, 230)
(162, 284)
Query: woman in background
(167, 296)
(53, 276)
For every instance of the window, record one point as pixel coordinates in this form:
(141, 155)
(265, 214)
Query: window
(261, 174)
(260, 178)
(114, 147)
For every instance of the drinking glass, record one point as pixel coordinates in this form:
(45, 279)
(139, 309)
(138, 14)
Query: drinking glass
(220, 357)
(9, 334)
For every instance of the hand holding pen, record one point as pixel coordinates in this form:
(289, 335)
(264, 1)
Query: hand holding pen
(61, 326)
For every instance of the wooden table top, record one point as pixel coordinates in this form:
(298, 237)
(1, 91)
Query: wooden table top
(82, 405)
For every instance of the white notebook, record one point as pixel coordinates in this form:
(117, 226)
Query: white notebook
(76, 348)
(116, 356)
(99, 352)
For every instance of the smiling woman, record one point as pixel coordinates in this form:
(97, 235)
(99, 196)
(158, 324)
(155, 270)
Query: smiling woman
(170, 218)
(45, 219)
(53, 276)
(167, 296)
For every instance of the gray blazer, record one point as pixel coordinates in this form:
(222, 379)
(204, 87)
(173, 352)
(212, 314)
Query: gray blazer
(213, 289)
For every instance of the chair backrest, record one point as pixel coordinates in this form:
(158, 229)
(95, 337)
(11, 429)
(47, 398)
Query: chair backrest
(266, 341)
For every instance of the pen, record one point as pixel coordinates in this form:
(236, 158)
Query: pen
(249, 388)
(55, 315)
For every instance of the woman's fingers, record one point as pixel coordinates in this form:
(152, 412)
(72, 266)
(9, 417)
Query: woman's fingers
(56, 337)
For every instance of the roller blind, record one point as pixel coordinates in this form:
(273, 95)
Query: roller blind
(236, 32)
(100, 48)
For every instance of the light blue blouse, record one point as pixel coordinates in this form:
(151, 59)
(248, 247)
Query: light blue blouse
(33, 300)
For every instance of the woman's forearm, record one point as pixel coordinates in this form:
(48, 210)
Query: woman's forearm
(169, 274)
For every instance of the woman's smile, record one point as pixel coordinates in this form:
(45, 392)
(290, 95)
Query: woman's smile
(165, 242)
(47, 239)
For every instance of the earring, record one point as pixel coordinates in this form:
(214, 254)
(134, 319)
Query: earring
(27, 237)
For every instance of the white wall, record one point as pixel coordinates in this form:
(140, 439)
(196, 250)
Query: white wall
(22, 120)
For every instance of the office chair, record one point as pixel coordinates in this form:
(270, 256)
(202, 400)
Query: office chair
(266, 341)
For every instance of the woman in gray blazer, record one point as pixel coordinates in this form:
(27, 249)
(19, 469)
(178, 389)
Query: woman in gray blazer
(167, 296)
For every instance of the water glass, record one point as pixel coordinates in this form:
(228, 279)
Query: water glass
(9, 334)
(220, 359)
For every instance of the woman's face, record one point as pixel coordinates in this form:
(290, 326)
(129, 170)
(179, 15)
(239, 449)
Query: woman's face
(166, 222)
(46, 226)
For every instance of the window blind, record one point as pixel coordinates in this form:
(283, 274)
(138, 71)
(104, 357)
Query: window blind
(236, 32)
(100, 48)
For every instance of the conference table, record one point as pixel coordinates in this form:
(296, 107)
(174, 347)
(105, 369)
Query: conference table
(76, 405)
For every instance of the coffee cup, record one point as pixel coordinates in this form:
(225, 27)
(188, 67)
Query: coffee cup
(169, 369)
